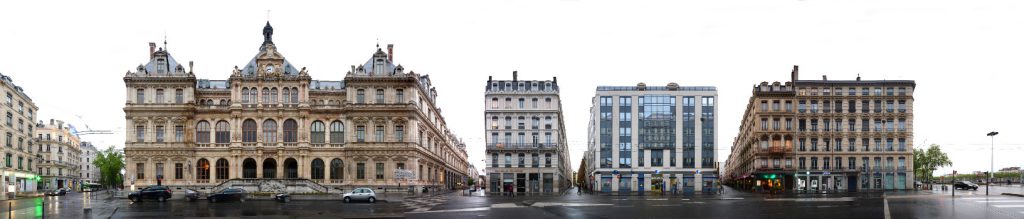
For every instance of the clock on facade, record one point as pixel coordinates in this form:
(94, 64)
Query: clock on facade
(270, 69)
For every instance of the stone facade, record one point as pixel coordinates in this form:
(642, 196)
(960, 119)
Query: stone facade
(89, 172)
(526, 145)
(653, 139)
(20, 154)
(270, 120)
(826, 135)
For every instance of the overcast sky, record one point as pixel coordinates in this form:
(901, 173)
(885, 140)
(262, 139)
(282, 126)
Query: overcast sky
(70, 57)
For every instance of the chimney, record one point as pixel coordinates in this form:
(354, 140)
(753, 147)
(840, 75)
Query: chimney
(489, 78)
(152, 49)
(391, 52)
(824, 77)
(858, 76)
(554, 80)
(515, 75)
(796, 73)
(51, 121)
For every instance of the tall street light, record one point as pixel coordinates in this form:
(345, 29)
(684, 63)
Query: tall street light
(992, 163)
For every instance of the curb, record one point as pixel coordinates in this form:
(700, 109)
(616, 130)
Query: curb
(1014, 194)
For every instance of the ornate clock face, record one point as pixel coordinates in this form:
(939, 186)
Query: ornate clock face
(270, 69)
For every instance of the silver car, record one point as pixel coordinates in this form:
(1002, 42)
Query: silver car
(360, 194)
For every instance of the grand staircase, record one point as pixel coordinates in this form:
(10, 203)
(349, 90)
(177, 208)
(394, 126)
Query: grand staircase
(273, 185)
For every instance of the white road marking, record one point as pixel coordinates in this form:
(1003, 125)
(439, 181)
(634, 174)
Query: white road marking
(1009, 206)
(732, 198)
(667, 205)
(886, 200)
(506, 205)
(1003, 201)
(993, 198)
(685, 199)
(843, 199)
(548, 204)
(454, 210)
(657, 199)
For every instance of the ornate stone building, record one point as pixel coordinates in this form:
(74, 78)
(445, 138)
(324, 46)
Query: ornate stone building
(88, 171)
(826, 136)
(270, 121)
(60, 155)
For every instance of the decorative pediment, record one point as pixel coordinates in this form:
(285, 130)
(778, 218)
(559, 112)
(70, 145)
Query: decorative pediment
(360, 119)
(399, 120)
(379, 120)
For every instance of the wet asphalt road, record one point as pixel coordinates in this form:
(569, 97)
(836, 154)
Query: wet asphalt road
(914, 204)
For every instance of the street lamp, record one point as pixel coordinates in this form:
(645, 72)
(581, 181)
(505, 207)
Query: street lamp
(992, 162)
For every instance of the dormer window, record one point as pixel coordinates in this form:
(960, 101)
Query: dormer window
(161, 66)
(378, 68)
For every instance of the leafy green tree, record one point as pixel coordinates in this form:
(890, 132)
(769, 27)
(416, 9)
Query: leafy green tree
(110, 162)
(927, 161)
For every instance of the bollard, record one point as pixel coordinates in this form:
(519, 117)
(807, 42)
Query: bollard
(10, 208)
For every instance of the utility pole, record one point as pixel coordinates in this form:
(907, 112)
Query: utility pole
(992, 162)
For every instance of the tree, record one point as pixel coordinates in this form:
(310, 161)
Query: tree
(110, 162)
(471, 182)
(927, 161)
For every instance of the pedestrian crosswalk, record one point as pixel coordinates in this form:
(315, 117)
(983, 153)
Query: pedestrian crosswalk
(423, 203)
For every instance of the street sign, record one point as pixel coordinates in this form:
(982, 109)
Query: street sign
(698, 171)
(615, 171)
(657, 171)
(826, 172)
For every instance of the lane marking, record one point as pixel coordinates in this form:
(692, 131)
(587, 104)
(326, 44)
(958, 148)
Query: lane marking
(549, 204)
(657, 199)
(453, 210)
(886, 200)
(732, 198)
(667, 205)
(993, 198)
(1004, 201)
(506, 205)
(1009, 206)
(685, 199)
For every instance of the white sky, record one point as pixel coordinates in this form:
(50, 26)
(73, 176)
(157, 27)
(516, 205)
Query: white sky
(70, 57)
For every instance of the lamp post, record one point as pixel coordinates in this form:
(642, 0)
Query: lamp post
(992, 161)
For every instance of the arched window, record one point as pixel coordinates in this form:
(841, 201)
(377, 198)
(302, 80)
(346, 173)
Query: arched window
(245, 95)
(203, 169)
(337, 169)
(203, 132)
(249, 131)
(266, 95)
(223, 102)
(285, 94)
(295, 95)
(337, 132)
(273, 95)
(249, 168)
(269, 131)
(291, 168)
(290, 131)
(269, 168)
(223, 132)
(317, 132)
(252, 95)
(317, 169)
(222, 169)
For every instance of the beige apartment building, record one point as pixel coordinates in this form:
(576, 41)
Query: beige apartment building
(271, 125)
(20, 157)
(61, 155)
(826, 136)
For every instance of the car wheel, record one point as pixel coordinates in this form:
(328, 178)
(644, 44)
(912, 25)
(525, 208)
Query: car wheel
(163, 199)
(287, 199)
(347, 199)
(132, 199)
(212, 200)
(371, 199)
(241, 199)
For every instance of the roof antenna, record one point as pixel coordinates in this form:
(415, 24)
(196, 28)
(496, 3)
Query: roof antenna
(165, 40)
(378, 42)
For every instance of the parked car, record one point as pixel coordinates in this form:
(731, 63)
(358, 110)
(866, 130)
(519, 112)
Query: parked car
(229, 194)
(965, 185)
(360, 194)
(56, 192)
(161, 193)
(283, 197)
(191, 195)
